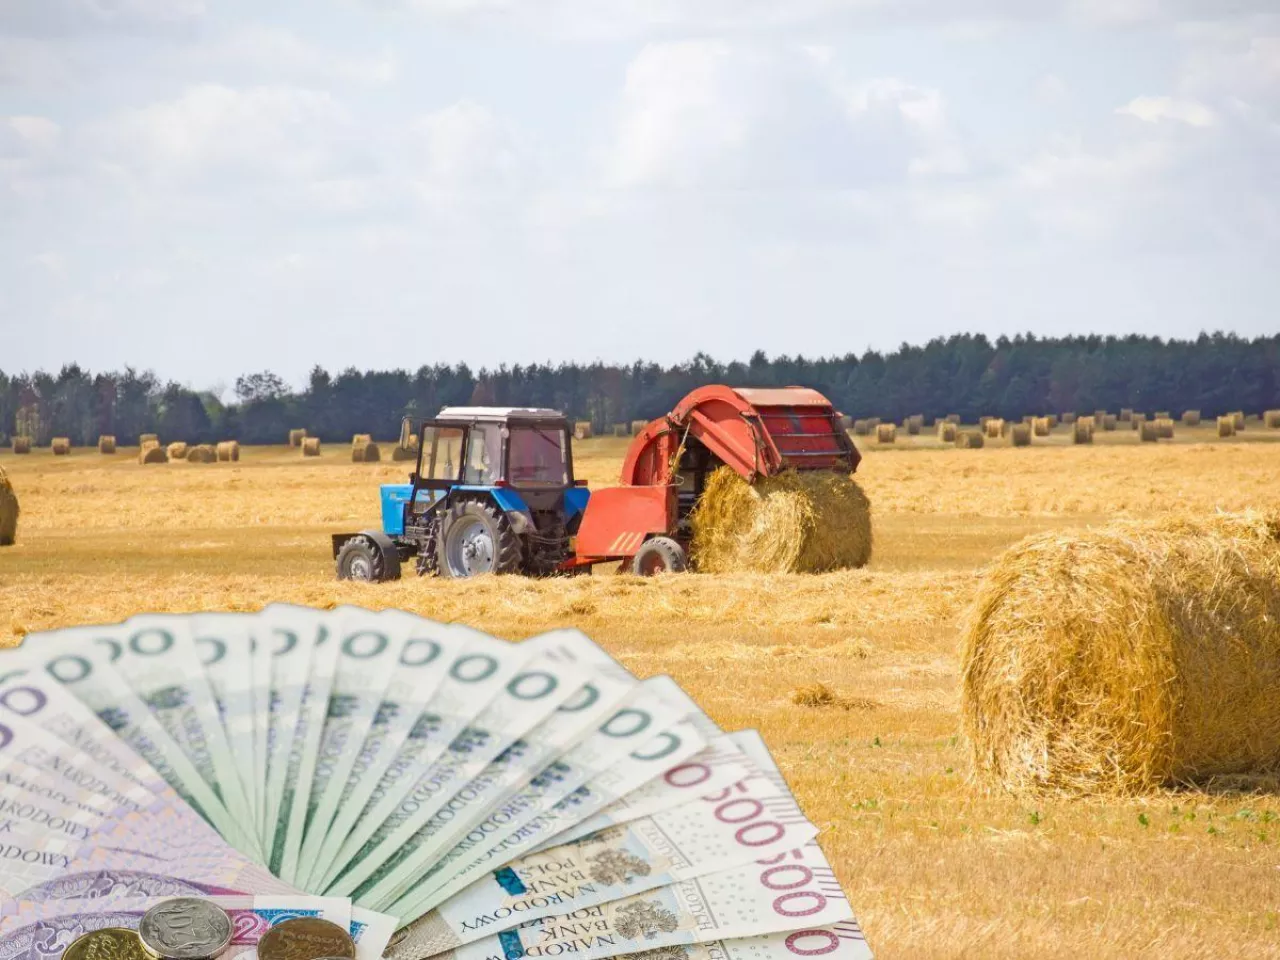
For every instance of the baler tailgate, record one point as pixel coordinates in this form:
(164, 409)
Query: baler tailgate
(805, 438)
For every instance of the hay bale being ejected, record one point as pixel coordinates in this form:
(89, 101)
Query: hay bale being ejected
(795, 522)
(1226, 426)
(366, 452)
(947, 431)
(8, 511)
(296, 437)
(177, 450)
(1127, 657)
(1020, 435)
(21, 445)
(228, 451)
(886, 433)
(152, 453)
(311, 446)
(61, 446)
(202, 453)
(106, 444)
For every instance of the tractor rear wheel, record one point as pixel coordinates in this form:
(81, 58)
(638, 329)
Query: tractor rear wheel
(477, 539)
(362, 559)
(659, 555)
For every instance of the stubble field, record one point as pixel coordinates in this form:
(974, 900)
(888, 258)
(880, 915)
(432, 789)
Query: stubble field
(935, 867)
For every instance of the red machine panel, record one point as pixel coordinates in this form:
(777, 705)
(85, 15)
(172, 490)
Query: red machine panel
(619, 519)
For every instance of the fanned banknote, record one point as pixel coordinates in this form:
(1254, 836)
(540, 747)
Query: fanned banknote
(435, 790)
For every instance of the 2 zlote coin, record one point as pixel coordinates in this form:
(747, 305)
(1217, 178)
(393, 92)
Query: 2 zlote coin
(110, 943)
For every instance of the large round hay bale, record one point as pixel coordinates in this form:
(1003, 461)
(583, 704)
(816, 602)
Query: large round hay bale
(296, 437)
(1226, 426)
(152, 453)
(1164, 428)
(947, 431)
(1082, 430)
(21, 445)
(202, 453)
(1271, 419)
(969, 439)
(106, 444)
(1127, 657)
(1191, 418)
(582, 430)
(367, 452)
(994, 428)
(886, 433)
(61, 446)
(177, 450)
(1147, 431)
(229, 451)
(8, 511)
(795, 522)
(1040, 426)
(145, 438)
(311, 446)
(861, 428)
(1020, 435)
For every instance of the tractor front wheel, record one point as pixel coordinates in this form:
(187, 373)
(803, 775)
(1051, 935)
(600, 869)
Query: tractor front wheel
(362, 559)
(477, 538)
(659, 555)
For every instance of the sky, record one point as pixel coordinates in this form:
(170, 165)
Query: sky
(206, 188)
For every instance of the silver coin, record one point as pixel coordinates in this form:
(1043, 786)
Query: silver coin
(185, 928)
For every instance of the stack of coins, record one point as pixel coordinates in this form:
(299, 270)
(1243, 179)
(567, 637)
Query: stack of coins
(188, 928)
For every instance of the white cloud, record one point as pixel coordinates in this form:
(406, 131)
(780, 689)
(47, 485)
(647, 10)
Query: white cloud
(465, 144)
(1156, 109)
(70, 17)
(277, 52)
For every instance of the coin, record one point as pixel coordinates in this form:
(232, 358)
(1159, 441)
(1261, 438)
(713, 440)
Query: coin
(109, 943)
(306, 938)
(185, 928)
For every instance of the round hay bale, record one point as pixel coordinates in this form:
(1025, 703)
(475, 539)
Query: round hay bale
(1136, 420)
(1067, 419)
(178, 450)
(953, 418)
(1082, 430)
(296, 437)
(1162, 415)
(152, 453)
(1097, 417)
(61, 446)
(914, 424)
(1164, 428)
(361, 438)
(1191, 418)
(1147, 431)
(582, 430)
(1020, 435)
(21, 445)
(1238, 416)
(873, 423)
(861, 428)
(229, 451)
(1053, 420)
(1109, 422)
(1126, 657)
(947, 431)
(145, 438)
(106, 444)
(1271, 419)
(365, 452)
(969, 439)
(1126, 414)
(1040, 426)
(982, 422)
(1226, 427)
(886, 433)
(401, 454)
(994, 428)
(1089, 422)
(8, 511)
(202, 453)
(638, 425)
(311, 446)
(795, 522)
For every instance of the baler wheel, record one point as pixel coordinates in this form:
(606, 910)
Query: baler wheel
(477, 538)
(659, 555)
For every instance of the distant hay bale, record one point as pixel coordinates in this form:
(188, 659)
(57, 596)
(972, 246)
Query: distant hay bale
(914, 424)
(366, 452)
(1020, 435)
(1082, 430)
(202, 453)
(106, 444)
(311, 446)
(1191, 418)
(1164, 428)
(1136, 420)
(1147, 431)
(296, 437)
(638, 425)
(969, 439)
(8, 511)
(795, 522)
(152, 453)
(1109, 422)
(228, 451)
(886, 433)
(1226, 426)
(1040, 426)
(622, 430)
(846, 421)
(1067, 419)
(1271, 419)
(146, 438)
(994, 428)
(1127, 657)
(61, 446)
(21, 445)
(1238, 416)
(1053, 420)
(953, 418)
(861, 428)
(1090, 422)
(362, 438)
(404, 452)
(947, 431)
(582, 430)
(982, 422)
(1126, 414)
(1162, 415)
(178, 450)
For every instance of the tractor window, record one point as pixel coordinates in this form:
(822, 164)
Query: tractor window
(442, 453)
(484, 453)
(537, 456)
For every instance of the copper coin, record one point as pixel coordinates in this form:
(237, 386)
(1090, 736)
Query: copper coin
(306, 938)
(109, 943)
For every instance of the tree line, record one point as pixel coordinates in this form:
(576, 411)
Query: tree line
(969, 375)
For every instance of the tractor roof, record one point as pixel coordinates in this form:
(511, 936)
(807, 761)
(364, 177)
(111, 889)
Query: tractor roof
(499, 413)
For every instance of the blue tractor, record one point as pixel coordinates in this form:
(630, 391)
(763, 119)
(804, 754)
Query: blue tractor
(493, 491)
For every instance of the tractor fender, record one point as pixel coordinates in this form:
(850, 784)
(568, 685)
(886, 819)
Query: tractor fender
(508, 501)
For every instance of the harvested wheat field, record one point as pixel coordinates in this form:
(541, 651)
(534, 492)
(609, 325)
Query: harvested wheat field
(853, 677)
